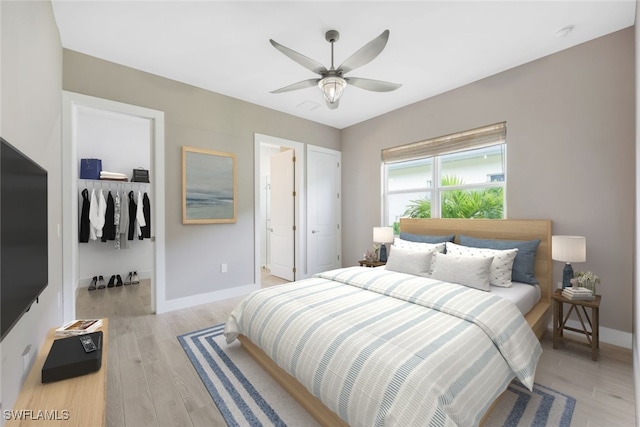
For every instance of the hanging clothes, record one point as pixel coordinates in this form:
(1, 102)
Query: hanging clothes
(140, 221)
(116, 220)
(93, 212)
(133, 207)
(102, 210)
(97, 209)
(124, 221)
(146, 209)
(109, 230)
(85, 225)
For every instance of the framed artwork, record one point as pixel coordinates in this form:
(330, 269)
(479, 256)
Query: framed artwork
(208, 186)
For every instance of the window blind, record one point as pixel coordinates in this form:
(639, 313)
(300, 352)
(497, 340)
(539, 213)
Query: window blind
(470, 139)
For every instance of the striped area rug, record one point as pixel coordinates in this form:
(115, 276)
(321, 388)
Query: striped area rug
(247, 396)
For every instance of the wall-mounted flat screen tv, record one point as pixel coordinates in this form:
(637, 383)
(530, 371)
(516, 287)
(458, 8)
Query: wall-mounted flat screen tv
(23, 234)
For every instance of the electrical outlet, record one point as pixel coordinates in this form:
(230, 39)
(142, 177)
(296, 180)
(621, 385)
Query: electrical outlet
(223, 268)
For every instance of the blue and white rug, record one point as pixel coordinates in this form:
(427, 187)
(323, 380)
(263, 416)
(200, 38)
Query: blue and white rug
(247, 396)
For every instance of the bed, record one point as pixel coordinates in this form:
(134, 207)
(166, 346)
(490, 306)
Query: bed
(361, 346)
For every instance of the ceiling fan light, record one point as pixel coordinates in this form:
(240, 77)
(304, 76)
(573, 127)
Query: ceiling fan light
(332, 88)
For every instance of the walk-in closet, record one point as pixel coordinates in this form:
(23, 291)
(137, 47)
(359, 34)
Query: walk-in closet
(113, 249)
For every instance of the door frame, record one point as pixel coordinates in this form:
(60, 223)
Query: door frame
(71, 101)
(300, 260)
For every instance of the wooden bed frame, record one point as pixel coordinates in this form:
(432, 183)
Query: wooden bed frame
(505, 229)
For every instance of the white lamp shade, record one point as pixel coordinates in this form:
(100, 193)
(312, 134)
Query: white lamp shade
(383, 234)
(332, 88)
(569, 248)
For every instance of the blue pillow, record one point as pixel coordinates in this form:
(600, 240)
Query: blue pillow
(426, 239)
(523, 265)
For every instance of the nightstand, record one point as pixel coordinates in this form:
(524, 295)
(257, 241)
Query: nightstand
(365, 263)
(591, 333)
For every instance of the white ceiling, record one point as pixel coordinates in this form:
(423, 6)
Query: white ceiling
(434, 46)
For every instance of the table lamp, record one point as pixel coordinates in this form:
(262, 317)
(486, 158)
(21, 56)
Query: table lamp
(568, 249)
(383, 235)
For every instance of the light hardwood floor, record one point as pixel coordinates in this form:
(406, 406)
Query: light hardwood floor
(152, 383)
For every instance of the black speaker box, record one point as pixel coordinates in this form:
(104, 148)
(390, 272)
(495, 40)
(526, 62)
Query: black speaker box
(67, 358)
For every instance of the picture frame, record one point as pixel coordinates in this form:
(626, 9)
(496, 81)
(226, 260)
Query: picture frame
(209, 188)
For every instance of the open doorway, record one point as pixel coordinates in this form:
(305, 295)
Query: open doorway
(279, 194)
(129, 271)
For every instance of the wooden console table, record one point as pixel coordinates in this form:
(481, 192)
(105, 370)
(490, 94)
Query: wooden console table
(79, 401)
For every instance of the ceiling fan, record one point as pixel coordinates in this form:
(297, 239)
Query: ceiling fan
(333, 81)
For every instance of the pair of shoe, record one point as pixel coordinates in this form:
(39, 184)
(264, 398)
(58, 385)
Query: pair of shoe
(97, 283)
(132, 278)
(115, 280)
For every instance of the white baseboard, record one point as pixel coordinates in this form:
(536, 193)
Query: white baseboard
(607, 335)
(636, 377)
(190, 301)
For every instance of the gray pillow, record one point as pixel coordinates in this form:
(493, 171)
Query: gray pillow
(411, 262)
(523, 265)
(426, 239)
(468, 271)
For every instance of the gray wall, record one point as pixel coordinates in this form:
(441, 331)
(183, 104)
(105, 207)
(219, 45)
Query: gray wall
(198, 118)
(570, 155)
(31, 86)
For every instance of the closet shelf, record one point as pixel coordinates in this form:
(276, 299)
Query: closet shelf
(116, 185)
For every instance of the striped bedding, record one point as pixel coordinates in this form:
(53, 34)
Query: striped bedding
(381, 348)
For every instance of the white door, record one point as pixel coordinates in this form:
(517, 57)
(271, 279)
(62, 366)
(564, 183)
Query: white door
(323, 210)
(282, 208)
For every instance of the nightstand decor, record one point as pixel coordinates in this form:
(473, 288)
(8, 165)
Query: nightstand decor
(568, 249)
(383, 235)
(371, 254)
(586, 279)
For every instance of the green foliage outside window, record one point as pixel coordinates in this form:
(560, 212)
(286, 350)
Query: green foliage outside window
(481, 203)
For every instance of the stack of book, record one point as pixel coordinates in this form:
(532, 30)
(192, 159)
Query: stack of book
(78, 327)
(578, 293)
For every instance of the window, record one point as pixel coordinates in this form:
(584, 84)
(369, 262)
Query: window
(454, 176)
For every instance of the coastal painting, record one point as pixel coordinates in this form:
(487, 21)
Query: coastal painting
(208, 186)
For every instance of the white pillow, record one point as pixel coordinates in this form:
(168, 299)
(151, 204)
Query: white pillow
(418, 246)
(468, 271)
(502, 264)
(411, 262)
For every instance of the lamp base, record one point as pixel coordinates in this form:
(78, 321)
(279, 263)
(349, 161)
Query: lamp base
(383, 253)
(567, 275)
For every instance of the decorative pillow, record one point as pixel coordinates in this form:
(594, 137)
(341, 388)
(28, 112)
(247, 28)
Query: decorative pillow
(468, 271)
(411, 262)
(426, 239)
(418, 246)
(523, 265)
(501, 267)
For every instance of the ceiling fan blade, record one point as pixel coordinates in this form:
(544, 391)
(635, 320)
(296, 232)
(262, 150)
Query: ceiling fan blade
(306, 62)
(333, 106)
(366, 53)
(372, 85)
(300, 85)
